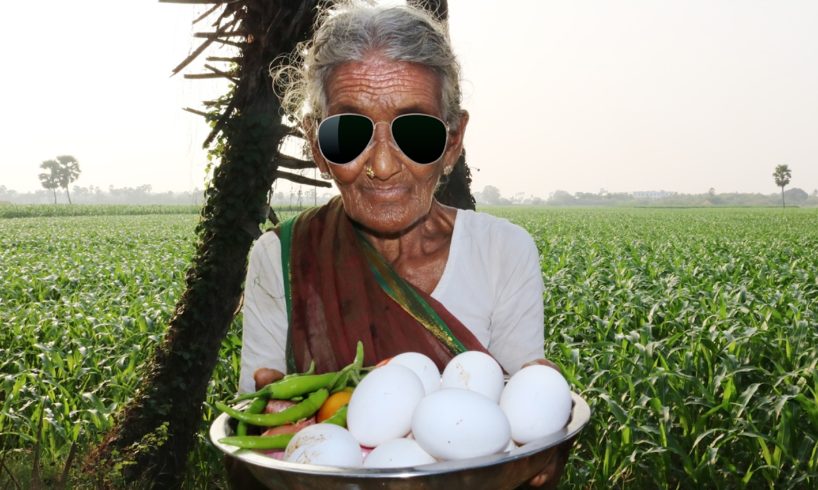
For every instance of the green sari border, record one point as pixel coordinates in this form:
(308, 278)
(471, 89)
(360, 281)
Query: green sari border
(397, 288)
(407, 297)
(286, 238)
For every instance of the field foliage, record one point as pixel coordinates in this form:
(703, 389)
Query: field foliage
(692, 333)
(52, 210)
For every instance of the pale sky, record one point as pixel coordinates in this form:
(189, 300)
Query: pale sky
(576, 95)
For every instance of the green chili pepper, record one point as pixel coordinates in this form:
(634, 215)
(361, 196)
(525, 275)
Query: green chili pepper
(278, 441)
(310, 370)
(338, 418)
(350, 372)
(302, 410)
(359, 355)
(341, 382)
(287, 388)
(358, 363)
(256, 407)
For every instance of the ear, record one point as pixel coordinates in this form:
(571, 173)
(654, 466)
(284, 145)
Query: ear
(455, 145)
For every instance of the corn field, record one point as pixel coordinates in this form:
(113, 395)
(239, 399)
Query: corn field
(692, 333)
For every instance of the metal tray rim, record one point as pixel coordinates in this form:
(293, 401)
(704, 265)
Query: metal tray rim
(580, 416)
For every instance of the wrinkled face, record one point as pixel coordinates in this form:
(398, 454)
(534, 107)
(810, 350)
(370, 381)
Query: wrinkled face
(398, 192)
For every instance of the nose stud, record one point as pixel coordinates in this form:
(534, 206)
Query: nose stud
(369, 172)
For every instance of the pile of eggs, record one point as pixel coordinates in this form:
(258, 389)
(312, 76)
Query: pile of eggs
(405, 413)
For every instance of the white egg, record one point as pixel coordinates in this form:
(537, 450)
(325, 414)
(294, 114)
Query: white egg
(453, 423)
(422, 366)
(324, 444)
(382, 404)
(537, 402)
(398, 453)
(475, 371)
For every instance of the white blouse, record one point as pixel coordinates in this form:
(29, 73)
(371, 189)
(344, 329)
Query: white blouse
(492, 283)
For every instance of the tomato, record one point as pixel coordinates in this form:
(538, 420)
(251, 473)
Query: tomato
(383, 362)
(332, 404)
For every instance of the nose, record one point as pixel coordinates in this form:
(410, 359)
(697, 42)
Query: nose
(384, 159)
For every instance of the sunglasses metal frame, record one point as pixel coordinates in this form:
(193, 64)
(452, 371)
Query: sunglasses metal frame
(391, 135)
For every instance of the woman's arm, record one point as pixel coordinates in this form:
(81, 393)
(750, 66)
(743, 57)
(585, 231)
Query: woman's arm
(517, 325)
(517, 336)
(264, 331)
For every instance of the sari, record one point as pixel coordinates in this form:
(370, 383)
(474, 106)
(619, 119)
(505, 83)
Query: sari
(340, 290)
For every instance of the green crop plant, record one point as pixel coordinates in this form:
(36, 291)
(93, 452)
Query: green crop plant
(692, 333)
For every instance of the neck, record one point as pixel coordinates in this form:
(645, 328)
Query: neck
(422, 238)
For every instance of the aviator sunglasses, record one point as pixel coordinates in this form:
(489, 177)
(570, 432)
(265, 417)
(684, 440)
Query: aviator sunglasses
(343, 137)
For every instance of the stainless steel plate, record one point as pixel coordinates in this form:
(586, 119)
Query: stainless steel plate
(498, 471)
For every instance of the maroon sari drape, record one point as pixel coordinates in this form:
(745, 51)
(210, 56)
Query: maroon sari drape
(336, 301)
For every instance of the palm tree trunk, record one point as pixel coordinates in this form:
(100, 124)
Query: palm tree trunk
(154, 432)
(783, 203)
(54, 192)
(68, 194)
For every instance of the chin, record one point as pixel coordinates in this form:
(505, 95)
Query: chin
(389, 220)
(386, 217)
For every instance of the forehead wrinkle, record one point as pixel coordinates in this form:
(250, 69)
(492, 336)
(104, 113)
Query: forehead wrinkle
(390, 87)
(366, 83)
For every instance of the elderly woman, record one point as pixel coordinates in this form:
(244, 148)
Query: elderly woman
(385, 263)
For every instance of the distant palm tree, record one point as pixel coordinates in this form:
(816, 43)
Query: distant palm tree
(50, 180)
(69, 171)
(782, 177)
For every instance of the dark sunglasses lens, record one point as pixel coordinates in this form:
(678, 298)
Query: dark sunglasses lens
(421, 138)
(343, 137)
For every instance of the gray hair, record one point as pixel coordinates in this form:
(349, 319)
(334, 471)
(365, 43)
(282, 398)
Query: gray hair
(350, 32)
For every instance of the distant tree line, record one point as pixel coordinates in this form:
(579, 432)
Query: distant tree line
(142, 194)
(294, 197)
(303, 197)
(491, 196)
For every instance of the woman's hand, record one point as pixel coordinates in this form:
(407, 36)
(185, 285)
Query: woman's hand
(239, 476)
(550, 476)
(553, 471)
(544, 362)
(265, 376)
